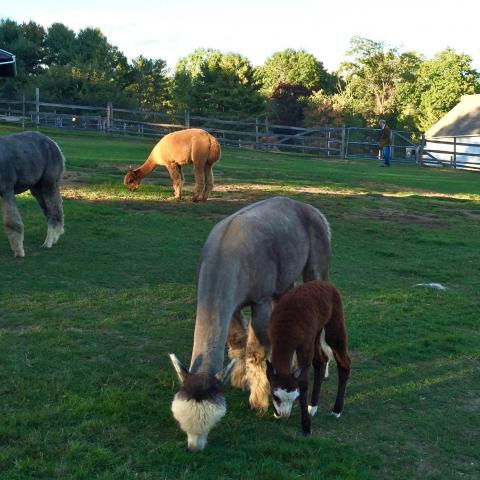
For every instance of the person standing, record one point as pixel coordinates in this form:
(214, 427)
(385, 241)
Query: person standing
(385, 142)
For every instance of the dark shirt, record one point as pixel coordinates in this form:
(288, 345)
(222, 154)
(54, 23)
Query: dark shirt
(384, 140)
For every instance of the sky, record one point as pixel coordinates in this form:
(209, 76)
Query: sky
(172, 29)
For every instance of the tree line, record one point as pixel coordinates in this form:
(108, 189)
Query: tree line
(292, 87)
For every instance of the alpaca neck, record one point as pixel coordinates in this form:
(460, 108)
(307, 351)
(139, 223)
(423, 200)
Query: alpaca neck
(145, 169)
(210, 337)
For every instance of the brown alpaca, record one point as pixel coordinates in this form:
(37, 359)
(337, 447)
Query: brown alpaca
(301, 321)
(175, 150)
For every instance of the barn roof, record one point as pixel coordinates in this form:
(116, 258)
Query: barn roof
(8, 66)
(463, 119)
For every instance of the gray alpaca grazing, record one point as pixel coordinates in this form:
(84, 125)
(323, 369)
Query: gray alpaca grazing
(31, 161)
(249, 259)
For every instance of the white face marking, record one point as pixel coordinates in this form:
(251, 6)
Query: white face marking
(196, 419)
(285, 403)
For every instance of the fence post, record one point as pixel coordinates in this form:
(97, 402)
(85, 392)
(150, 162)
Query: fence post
(392, 151)
(23, 110)
(257, 135)
(37, 106)
(267, 135)
(343, 146)
(327, 140)
(455, 152)
(187, 118)
(109, 116)
(420, 150)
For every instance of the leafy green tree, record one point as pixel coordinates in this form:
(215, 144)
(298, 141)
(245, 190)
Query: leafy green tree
(60, 45)
(374, 75)
(96, 55)
(26, 41)
(294, 67)
(209, 82)
(149, 84)
(441, 83)
(286, 104)
(323, 110)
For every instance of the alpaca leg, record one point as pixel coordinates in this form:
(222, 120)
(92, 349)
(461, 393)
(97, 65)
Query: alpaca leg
(208, 181)
(176, 174)
(343, 367)
(304, 410)
(257, 352)
(13, 224)
(317, 266)
(304, 358)
(37, 193)
(54, 208)
(336, 337)
(319, 367)
(199, 171)
(237, 342)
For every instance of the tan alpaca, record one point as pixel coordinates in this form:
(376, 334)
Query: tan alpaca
(175, 150)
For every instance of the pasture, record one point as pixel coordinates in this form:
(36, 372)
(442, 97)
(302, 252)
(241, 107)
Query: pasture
(85, 328)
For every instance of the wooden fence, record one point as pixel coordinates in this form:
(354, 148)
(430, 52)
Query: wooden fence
(458, 152)
(257, 134)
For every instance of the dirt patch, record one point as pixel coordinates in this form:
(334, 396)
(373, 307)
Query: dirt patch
(395, 216)
(74, 178)
(469, 214)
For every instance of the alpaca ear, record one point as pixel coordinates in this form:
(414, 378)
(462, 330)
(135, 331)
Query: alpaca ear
(180, 368)
(297, 372)
(130, 169)
(226, 373)
(271, 372)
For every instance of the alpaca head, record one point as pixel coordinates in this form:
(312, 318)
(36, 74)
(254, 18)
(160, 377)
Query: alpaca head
(284, 389)
(131, 179)
(200, 403)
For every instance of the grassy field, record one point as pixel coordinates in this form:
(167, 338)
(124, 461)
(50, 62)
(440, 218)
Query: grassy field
(85, 328)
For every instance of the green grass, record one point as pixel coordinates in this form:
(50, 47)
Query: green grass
(85, 328)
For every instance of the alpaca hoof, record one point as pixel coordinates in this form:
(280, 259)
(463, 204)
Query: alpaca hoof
(195, 199)
(19, 254)
(312, 410)
(336, 414)
(307, 431)
(259, 405)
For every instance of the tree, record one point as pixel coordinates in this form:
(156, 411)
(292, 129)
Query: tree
(149, 84)
(374, 76)
(26, 42)
(294, 67)
(441, 83)
(60, 45)
(286, 103)
(209, 82)
(323, 110)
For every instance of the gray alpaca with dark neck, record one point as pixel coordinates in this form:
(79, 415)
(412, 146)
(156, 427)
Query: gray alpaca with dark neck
(31, 161)
(249, 259)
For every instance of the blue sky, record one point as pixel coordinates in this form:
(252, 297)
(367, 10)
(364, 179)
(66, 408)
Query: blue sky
(174, 28)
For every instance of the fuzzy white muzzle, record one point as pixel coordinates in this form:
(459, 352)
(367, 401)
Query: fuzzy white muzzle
(284, 404)
(196, 419)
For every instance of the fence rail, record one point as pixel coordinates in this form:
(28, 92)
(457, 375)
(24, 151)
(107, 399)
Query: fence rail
(258, 134)
(458, 152)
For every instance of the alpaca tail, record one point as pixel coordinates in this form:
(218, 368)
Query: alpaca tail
(215, 150)
(326, 350)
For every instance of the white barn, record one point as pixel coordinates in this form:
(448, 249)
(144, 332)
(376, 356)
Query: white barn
(445, 140)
